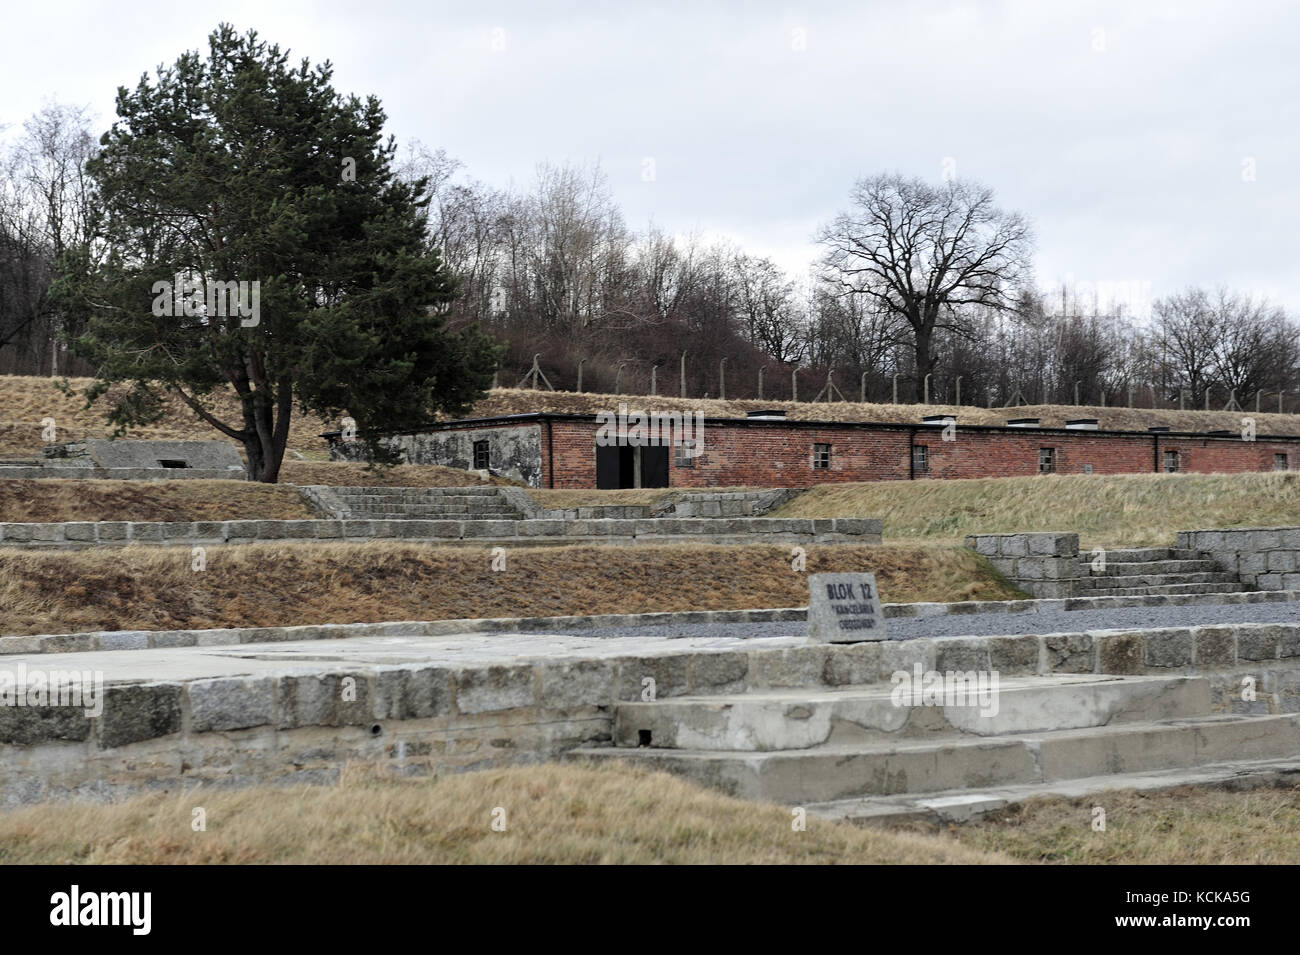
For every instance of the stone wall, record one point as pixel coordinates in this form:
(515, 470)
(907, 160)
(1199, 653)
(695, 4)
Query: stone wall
(673, 504)
(513, 452)
(1266, 558)
(725, 503)
(203, 455)
(1041, 564)
(83, 472)
(85, 534)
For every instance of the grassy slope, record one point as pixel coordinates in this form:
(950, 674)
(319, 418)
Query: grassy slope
(553, 814)
(308, 583)
(1139, 509)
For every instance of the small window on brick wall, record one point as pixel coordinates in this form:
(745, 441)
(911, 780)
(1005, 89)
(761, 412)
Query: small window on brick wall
(1046, 460)
(920, 458)
(1279, 462)
(1171, 462)
(684, 455)
(821, 459)
(481, 455)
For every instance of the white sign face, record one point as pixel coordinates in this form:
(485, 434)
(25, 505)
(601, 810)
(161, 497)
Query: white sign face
(844, 608)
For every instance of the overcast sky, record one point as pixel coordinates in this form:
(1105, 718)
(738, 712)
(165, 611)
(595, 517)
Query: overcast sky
(1153, 144)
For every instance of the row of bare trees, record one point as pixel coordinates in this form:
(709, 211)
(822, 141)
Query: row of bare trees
(915, 280)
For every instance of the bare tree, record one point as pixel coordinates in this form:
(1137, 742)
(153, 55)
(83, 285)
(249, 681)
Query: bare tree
(769, 309)
(1185, 330)
(1255, 344)
(44, 213)
(928, 254)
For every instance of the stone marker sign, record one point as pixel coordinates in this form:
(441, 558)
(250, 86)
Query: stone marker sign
(844, 608)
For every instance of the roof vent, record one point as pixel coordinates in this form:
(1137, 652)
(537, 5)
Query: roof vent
(773, 414)
(1022, 422)
(1160, 429)
(1222, 434)
(941, 420)
(1082, 424)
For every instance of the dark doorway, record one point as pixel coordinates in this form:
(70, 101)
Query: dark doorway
(617, 466)
(654, 467)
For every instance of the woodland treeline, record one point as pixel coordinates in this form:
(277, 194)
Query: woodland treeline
(914, 279)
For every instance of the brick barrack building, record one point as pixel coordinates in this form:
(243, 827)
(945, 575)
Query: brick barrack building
(554, 450)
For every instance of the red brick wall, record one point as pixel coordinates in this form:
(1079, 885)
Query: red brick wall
(776, 455)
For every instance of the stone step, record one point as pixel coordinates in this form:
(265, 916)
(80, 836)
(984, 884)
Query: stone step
(425, 508)
(1142, 555)
(448, 501)
(422, 492)
(959, 806)
(834, 772)
(1225, 588)
(1136, 568)
(408, 516)
(800, 719)
(1154, 580)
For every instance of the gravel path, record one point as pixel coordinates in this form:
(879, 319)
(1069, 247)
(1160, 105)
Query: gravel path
(990, 624)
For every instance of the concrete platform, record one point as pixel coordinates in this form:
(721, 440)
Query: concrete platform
(238, 714)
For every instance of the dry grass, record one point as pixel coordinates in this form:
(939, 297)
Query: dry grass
(76, 500)
(1180, 827)
(26, 400)
(554, 814)
(266, 585)
(1132, 510)
(610, 813)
